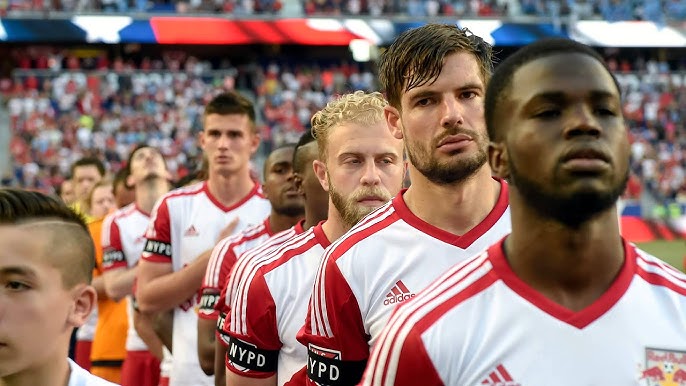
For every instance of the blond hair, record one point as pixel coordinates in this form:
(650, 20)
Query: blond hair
(358, 107)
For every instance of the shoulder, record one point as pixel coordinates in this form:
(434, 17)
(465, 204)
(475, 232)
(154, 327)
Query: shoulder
(369, 229)
(658, 273)
(80, 377)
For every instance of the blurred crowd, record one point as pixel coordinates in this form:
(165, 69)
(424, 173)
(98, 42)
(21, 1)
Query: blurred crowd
(611, 10)
(104, 109)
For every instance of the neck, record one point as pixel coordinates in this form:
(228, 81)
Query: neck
(279, 222)
(571, 266)
(455, 208)
(147, 193)
(229, 189)
(334, 227)
(52, 373)
(313, 216)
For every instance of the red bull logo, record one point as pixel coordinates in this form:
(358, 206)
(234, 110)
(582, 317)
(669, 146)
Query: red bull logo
(663, 368)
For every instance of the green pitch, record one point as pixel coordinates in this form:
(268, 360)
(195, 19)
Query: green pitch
(672, 252)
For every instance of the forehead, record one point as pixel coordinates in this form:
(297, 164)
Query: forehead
(19, 244)
(571, 74)
(86, 170)
(283, 155)
(359, 138)
(227, 122)
(459, 69)
(146, 150)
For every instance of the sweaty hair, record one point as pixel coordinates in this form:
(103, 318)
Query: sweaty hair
(89, 161)
(501, 82)
(358, 107)
(416, 57)
(298, 156)
(229, 103)
(71, 247)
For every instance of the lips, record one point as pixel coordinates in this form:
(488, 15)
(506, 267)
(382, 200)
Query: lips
(454, 139)
(587, 153)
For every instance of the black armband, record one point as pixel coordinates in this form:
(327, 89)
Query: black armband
(208, 301)
(112, 257)
(252, 358)
(158, 247)
(326, 368)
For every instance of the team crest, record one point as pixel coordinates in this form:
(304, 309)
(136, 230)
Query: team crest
(663, 367)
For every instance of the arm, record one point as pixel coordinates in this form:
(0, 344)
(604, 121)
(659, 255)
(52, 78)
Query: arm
(118, 278)
(163, 325)
(254, 342)
(335, 337)
(119, 282)
(218, 269)
(144, 327)
(219, 366)
(389, 365)
(99, 284)
(161, 289)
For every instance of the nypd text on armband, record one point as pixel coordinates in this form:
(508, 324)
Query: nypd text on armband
(158, 247)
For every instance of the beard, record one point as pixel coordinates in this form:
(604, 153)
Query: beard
(571, 209)
(453, 170)
(351, 211)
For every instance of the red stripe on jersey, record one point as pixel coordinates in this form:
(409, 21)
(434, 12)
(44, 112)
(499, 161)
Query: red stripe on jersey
(255, 191)
(494, 377)
(578, 319)
(466, 239)
(666, 270)
(388, 342)
(402, 287)
(504, 373)
(358, 233)
(661, 277)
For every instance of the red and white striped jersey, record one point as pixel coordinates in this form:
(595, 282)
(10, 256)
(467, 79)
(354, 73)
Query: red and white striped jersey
(268, 246)
(123, 237)
(222, 260)
(382, 261)
(268, 305)
(479, 324)
(185, 223)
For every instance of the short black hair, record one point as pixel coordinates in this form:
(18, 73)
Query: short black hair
(231, 102)
(298, 161)
(89, 161)
(266, 160)
(23, 206)
(501, 81)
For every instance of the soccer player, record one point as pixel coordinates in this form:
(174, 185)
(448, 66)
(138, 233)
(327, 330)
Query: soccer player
(123, 238)
(187, 223)
(46, 262)
(287, 210)
(453, 209)
(361, 166)
(316, 208)
(563, 300)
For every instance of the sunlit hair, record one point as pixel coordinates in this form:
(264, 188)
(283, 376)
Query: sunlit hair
(359, 108)
(417, 55)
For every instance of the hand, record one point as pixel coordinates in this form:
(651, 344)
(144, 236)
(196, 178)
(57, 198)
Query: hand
(228, 230)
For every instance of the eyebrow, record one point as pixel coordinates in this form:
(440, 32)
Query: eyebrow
(560, 97)
(428, 93)
(280, 164)
(376, 155)
(18, 270)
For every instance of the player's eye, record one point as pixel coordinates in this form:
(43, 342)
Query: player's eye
(16, 286)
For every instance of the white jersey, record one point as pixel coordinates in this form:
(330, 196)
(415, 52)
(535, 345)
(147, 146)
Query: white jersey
(382, 261)
(185, 223)
(80, 377)
(222, 259)
(123, 237)
(266, 248)
(268, 305)
(480, 324)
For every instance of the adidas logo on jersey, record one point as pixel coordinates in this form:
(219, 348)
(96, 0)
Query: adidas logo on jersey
(399, 293)
(499, 377)
(190, 231)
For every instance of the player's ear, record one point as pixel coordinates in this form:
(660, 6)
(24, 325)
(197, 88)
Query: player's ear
(298, 183)
(392, 116)
(498, 158)
(321, 173)
(84, 300)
